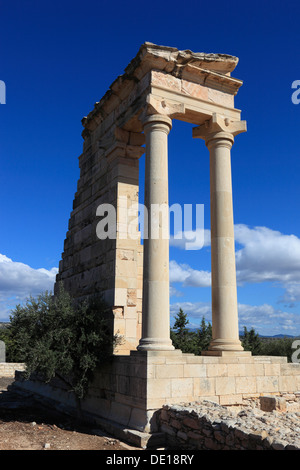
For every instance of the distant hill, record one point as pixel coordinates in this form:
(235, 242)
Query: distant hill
(272, 336)
(283, 336)
(194, 330)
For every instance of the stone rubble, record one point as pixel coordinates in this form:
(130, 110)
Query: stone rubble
(208, 425)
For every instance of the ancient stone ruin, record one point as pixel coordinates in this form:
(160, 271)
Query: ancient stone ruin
(135, 117)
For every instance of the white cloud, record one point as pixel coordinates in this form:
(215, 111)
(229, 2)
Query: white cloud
(188, 276)
(265, 319)
(191, 239)
(268, 320)
(262, 255)
(267, 255)
(18, 281)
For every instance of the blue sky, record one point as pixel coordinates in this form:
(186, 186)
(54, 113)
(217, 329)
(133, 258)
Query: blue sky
(58, 58)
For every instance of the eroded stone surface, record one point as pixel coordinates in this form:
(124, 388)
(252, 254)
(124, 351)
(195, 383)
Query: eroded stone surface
(207, 425)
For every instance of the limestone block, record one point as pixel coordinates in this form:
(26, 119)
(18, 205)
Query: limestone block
(267, 384)
(216, 370)
(121, 282)
(287, 383)
(120, 413)
(272, 403)
(131, 297)
(245, 384)
(83, 235)
(126, 171)
(278, 359)
(169, 371)
(204, 387)
(141, 370)
(191, 359)
(235, 399)
(272, 369)
(159, 388)
(290, 369)
(130, 312)
(126, 268)
(118, 312)
(225, 385)
(140, 419)
(255, 369)
(122, 367)
(176, 359)
(123, 384)
(130, 281)
(120, 296)
(182, 387)
(119, 326)
(160, 359)
(136, 138)
(129, 400)
(130, 328)
(165, 80)
(124, 254)
(140, 258)
(237, 370)
(194, 370)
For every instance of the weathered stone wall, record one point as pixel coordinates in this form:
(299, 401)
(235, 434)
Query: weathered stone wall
(208, 426)
(130, 390)
(111, 267)
(8, 369)
(120, 400)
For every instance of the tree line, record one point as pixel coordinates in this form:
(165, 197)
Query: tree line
(196, 341)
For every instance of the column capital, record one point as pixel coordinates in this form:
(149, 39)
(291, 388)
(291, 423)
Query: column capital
(164, 122)
(218, 127)
(160, 107)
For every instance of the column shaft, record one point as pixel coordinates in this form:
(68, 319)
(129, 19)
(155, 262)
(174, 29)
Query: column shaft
(223, 271)
(156, 302)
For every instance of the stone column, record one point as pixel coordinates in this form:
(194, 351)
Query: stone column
(156, 302)
(218, 134)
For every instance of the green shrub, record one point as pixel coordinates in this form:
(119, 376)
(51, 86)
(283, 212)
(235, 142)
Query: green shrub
(55, 336)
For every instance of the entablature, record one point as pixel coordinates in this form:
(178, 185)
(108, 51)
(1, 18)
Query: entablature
(181, 84)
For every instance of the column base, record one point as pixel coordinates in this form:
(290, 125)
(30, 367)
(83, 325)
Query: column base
(155, 344)
(225, 347)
